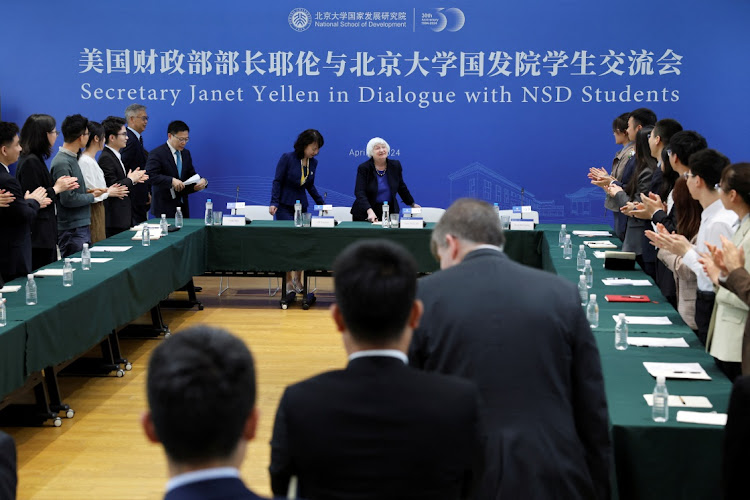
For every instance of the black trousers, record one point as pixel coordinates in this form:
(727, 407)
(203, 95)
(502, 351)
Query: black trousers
(704, 306)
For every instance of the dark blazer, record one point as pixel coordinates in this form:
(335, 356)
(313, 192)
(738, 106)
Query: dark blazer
(117, 211)
(634, 238)
(213, 489)
(134, 156)
(15, 229)
(32, 173)
(737, 442)
(376, 430)
(286, 187)
(8, 474)
(621, 220)
(521, 335)
(161, 169)
(366, 189)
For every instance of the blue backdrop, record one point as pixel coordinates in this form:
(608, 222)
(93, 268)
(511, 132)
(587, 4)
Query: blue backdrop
(484, 99)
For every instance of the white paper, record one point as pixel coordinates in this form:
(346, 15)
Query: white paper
(693, 371)
(682, 401)
(109, 249)
(599, 244)
(152, 227)
(645, 320)
(155, 235)
(625, 281)
(699, 417)
(10, 288)
(598, 254)
(657, 342)
(50, 272)
(591, 234)
(193, 180)
(94, 260)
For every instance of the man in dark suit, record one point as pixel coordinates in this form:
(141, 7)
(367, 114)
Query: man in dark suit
(8, 474)
(201, 397)
(117, 213)
(17, 217)
(736, 442)
(168, 166)
(522, 336)
(377, 429)
(134, 157)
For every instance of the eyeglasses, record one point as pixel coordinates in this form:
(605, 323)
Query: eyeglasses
(144, 118)
(688, 175)
(123, 133)
(717, 187)
(669, 152)
(182, 140)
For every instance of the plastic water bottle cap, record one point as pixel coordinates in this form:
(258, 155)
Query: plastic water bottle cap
(179, 209)
(296, 201)
(164, 215)
(85, 245)
(67, 260)
(580, 247)
(563, 226)
(496, 205)
(592, 296)
(621, 316)
(661, 379)
(588, 261)
(209, 199)
(30, 276)
(385, 203)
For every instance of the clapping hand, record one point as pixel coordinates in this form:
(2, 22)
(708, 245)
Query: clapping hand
(40, 195)
(6, 198)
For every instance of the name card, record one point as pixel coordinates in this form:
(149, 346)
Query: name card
(518, 209)
(411, 211)
(521, 225)
(322, 221)
(233, 220)
(235, 204)
(411, 223)
(323, 207)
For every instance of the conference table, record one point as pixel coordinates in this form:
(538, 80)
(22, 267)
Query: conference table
(651, 460)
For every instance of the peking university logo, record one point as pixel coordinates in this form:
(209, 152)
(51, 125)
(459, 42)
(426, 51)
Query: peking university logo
(300, 19)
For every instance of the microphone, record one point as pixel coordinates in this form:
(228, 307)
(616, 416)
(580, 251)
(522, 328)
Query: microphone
(236, 198)
(522, 191)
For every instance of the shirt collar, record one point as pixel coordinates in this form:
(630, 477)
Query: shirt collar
(391, 353)
(69, 153)
(171, 148)
(5, 167)
(137, 135)
(712, 210)
(202, 475)
(117, 153)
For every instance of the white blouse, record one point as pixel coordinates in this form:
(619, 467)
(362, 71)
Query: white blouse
(92, 175)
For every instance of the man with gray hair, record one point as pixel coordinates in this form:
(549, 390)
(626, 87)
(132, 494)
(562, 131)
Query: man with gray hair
(134, 157)
(521, 335)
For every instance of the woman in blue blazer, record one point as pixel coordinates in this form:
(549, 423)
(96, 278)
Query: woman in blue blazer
(379, 179)
(295, 173)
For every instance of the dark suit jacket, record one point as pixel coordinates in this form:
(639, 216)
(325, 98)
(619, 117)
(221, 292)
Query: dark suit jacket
(8, 474)
(213, 489)
(134, 156)
(32, 173)
(116, 211)
(161, 169)
(15, 229)
(377, 430)
(286, 187)
(521, 335)
(736, 442)
(366, 189)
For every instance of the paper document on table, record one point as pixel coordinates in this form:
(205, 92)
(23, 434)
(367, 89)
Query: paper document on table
(50, 272)
(151, 227)
(699, 417)
(592, 234)
(193, 180)
(684, 401)
(693, 371)
(657, 342)
(10, 288)
(94, 260)
(645, 320)
(109, 249)
(599, 244)
(598, 254)
(625, 281)
(155, 235)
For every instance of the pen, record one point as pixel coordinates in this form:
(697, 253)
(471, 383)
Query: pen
(634, 296)
(681, 400)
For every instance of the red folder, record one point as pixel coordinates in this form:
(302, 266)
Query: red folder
(627, 298)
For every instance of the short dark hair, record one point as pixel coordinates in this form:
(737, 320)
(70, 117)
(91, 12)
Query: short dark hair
(708, 164)
(471, 220)
(375, 283)
(643, 117)
(177, 126)
(305, 139)
(112, 126)
(73, 127)
(685, 143)
(665, 129)
(737, 176)
(201, 390)
(620, 124)
(34, 140)
(95, 130)
(8, 131)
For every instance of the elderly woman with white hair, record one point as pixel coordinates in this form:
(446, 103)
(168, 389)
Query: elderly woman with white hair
(379, 179)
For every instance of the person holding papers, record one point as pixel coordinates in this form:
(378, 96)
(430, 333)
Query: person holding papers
(170, 167)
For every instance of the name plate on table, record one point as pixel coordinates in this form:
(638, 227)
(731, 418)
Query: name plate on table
(521, 225)
(411, 212)
(318, 208)
(411, 223)
(235, 204)
(322, 221)
(519, 209)
(233, 220)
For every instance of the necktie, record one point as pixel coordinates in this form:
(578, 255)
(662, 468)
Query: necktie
(179, 164)
(141, 140)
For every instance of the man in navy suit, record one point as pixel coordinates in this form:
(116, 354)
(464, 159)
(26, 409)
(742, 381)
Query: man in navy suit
(378, 428)
(201, 397)
(134, 157)
(17, 217)
(8, 474)
(521, 335)
(168, 166)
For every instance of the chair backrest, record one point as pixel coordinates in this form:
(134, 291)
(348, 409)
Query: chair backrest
(255, 212)
(432, 214)
(341, 214)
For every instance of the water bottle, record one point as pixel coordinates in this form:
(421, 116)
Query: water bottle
(386, 215)
(563, 233)
(583, 290)
(592, 311)
(497, 210)
(660, 407)
(86, 257)
(580, 259)
(145, 235)
(209, 215)
(30, 290)
(67, 273)
(3, 314)
(567, 248)
(163, 225)
(588, 271)
(621, 333)
(297, 214)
